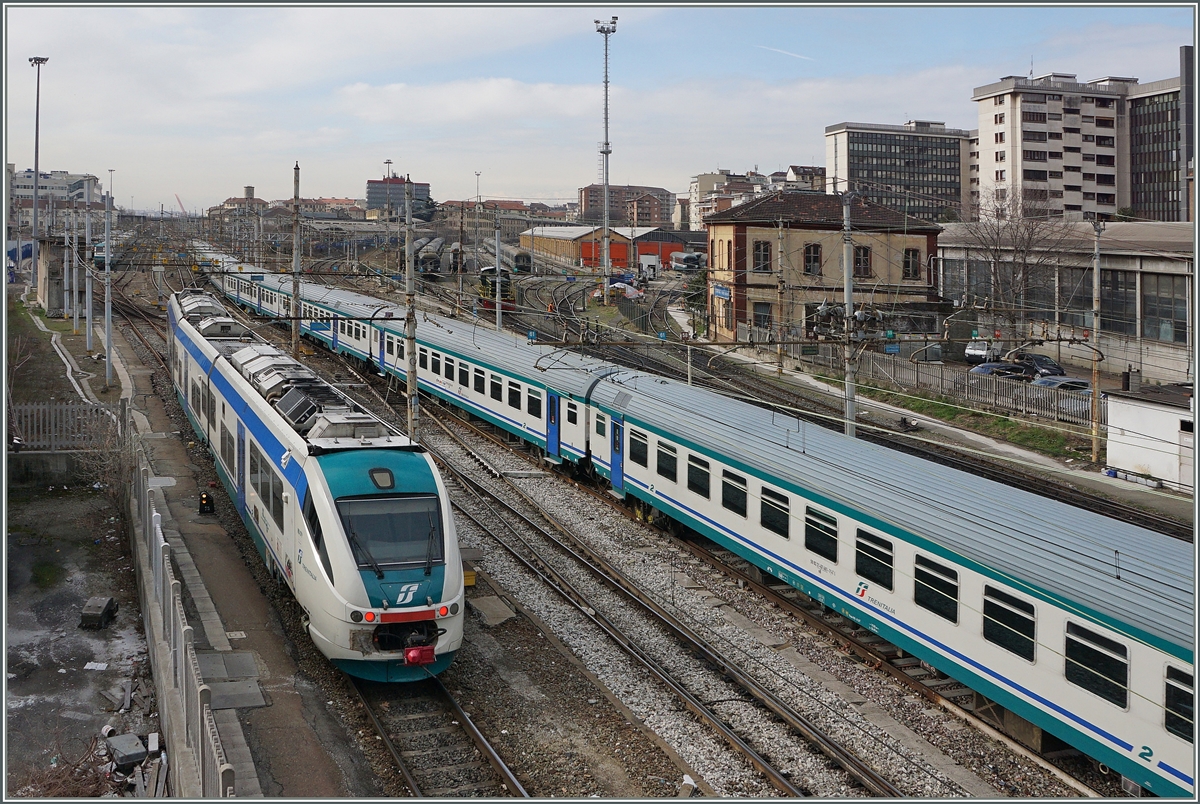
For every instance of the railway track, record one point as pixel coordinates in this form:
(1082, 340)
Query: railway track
(437, 750)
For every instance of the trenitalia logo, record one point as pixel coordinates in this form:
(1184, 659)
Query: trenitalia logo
(406, 593)
(862, 589)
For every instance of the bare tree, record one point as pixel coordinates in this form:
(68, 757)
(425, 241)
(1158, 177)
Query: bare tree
(1021, 244)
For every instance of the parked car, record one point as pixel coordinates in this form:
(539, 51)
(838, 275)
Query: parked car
(982, 351)
(1043, 365)
(1008, 371)
(1064, 383)
(1077, 400)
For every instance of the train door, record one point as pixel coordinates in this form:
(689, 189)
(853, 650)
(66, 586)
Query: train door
(618, 455)
(382, 341)
(241, 467)
(552, 432)
(334, 330)
(258, 300)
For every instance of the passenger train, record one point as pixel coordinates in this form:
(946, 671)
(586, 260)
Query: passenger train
(1078, 624)
(353, 517)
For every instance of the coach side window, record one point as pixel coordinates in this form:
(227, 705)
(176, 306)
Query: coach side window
(1179, 702)
(698, 476)
(820, 534)
(497, 388)
(423, 357)
(639, 452)
(873, 559)
(533, 403)
(1098, 664)
(935, 587)
(667, 461)
(390, 345)
(774, 513)
(464, 374)
(572, 413)
(314, 531)
(602, 426)
(449, 368)
(479, 381)
(733, 492)
(514, 394)
(1009, 622)
(435, 363)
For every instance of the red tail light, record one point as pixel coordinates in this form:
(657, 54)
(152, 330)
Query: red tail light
(419, 655)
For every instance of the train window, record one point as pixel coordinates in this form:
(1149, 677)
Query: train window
(449, 368)
(390, 345)
(698, 476)
(667, 461)
(399, 349)
(1179, 703)
(602, 426)
(773, 513)
(497, 388)
(479, 381)
(514, 394)
(935, 587)
(342, 327)
(572, 413)
(1098, 664)
(464, 373)
(228, 455)
(733, 492)
(1009, 622)
(423, 357)
(435, 362)
(639, 452)
(873, 559)
(820, 534)
(533, 403)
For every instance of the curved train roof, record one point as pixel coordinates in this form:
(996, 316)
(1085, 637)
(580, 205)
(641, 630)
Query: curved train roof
(1126, 572)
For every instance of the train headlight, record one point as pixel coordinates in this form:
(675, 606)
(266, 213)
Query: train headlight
(356, 616)
(454, 608)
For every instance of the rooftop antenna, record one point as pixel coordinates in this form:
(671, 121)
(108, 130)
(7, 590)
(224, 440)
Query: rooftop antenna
(1031, 66)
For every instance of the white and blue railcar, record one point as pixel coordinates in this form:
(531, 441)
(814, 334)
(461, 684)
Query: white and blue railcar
(1076, 623)
(352, 517)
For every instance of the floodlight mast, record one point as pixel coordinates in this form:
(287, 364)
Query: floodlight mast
(606, 29)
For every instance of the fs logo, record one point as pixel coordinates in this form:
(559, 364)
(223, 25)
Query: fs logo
(862, 589)
(406, 593)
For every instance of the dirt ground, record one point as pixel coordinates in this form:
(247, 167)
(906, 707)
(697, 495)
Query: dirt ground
(64, 546)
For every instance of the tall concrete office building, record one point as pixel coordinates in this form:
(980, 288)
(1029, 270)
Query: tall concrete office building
(1053, 145)
(919, 168)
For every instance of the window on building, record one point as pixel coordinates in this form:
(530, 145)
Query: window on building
(1105, 122)
(1089, 138)
(999, 175)
(1097, 664)
(999, 136)
(812, 259)
(1071, 149)
(873, 559)
(1033, 136)
(1054, 135)
(639, 450)
(697, 477)
(668, 461)
(1106, 159)
(727, 308)
(1035, 175)
(1054, 154)
(935, 587)
(1089, 157)
(862, 261)
(762, 315)
(821, 534)
(1164, 307)
(1106, 199)
(1118, 302)
(1089, 196)
(733, 493)
(998, 100)
(912, 263)
(1034, 156)
(998, 118)
(773, 514)
(762, 255)
(729, 254)
(1001, 155)
(1009, 622)
(1106, 142)
(1179, 703)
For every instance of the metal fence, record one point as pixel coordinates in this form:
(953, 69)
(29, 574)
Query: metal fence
(216, 774)
(60, 426)
(950, 383)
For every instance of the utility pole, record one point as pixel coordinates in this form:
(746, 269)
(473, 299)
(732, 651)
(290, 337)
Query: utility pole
(499, 278)
(459, 256)
(779, 305)
(90, 260)
(410, 320)
(108, 250)
(1098, 227)
(607, 29)
(478, 202)
(74, 272)
(387, 226)
(296, 263)
(848, 278)
(37, 62)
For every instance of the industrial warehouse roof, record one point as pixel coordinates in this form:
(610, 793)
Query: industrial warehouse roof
(579, 232)
(820, 211)
(1174, 396)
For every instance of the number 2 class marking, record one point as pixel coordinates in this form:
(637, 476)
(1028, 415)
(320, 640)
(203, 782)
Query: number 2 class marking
(1147, 752)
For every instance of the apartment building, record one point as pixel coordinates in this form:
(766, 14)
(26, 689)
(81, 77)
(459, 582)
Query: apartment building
(382, 192)
(58, 185)
(919, 169)
(1080, 150)
(627, 204)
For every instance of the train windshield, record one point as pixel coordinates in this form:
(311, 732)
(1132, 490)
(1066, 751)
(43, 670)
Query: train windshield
(393, 530)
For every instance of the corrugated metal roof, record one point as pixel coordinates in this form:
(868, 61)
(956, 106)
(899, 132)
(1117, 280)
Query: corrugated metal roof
(820, 210)
(1137, 237)
(1059, 549)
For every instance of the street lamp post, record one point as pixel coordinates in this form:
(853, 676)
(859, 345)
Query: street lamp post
(606, 29)
(89, 259)
(387, 224)
(37, 62)
(108, 250)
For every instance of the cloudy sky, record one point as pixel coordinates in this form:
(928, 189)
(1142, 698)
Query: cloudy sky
(200, 101)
